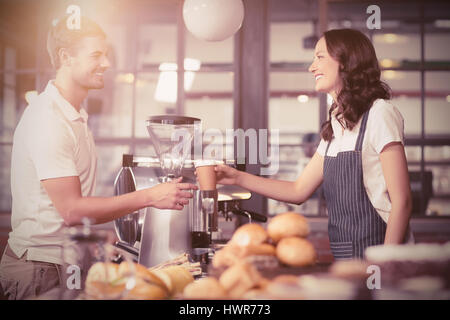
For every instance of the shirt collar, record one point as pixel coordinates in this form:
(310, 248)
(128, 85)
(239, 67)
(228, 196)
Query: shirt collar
(67, 109)
(337, 127)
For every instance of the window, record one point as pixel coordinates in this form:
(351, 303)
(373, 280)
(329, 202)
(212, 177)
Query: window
(5, 178)
(146, 45)
(293, 105)
(209, 82)
(210, 99)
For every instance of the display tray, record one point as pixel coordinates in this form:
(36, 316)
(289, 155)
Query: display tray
(231, 192)
(272, 271)
(298, 271)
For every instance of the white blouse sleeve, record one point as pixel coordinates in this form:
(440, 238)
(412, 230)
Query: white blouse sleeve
(385, 125)
(322, 147)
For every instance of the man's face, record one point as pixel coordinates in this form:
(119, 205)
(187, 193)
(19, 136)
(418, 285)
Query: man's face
(89, 61)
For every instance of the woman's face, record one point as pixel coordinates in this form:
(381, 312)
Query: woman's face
(326, 70)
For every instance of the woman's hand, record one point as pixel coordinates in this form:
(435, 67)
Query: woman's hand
(171, 195)
(227, 174)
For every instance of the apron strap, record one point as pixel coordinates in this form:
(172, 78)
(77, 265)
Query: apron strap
(362, 130)
(328, 145)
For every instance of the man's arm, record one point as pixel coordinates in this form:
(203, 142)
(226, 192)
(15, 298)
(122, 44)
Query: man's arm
(65, 193)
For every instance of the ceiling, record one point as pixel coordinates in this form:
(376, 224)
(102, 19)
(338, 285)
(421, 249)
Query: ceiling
(20, 20)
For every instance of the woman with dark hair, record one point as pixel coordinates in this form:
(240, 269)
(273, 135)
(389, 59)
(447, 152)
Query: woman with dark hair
(361, 158)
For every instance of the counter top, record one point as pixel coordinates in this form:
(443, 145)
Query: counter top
(422, 224)
(270, 273)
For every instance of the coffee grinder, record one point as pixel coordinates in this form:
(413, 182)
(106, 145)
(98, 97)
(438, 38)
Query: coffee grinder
(166, 233)
(153, 235)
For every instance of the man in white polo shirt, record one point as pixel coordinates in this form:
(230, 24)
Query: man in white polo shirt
(53, 167)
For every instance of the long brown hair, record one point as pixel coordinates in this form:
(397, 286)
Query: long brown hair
(360, 77)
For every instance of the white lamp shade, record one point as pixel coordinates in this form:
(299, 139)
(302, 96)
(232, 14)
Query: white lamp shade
(213, 20)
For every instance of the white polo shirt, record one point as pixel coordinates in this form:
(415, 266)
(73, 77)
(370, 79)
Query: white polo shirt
(384, 125)
(52, 140)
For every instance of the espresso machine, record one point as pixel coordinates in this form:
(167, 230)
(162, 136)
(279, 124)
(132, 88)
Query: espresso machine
(154, 235)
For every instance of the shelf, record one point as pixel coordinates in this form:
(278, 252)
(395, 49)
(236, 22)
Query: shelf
(430, 163)
(441, 196)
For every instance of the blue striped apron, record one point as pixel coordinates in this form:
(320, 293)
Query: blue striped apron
(353, 222)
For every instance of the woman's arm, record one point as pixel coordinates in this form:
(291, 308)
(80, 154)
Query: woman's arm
(395, 171)
(289, 191)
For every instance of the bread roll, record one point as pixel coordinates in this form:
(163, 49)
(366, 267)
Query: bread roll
(353, 268)
(264, 249)
(296, 252)
(233, 253)
(263, 283)
(289, 224)
(249, 234)
(227, 256)
(166, 279)
(286, 279)
(256, 294)
(147, 291)
(110, 280)
(205, 288)
(148, 285)
(104, 290)
(102, 272)
(239, 278)
(284, 291)
(101, 281)
(179, 276)
(140, 272)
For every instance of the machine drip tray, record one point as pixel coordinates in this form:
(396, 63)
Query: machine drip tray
(204, 256)
(200, 239)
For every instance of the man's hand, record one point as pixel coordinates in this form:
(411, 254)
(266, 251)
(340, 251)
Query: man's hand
(171, 195)
(65, 193)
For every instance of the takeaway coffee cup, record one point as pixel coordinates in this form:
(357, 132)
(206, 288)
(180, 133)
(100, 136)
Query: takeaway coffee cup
(206, 175)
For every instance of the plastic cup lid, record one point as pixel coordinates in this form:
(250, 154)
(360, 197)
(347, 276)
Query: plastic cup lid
(202, 163)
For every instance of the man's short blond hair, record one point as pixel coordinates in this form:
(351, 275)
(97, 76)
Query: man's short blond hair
(60, 36)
